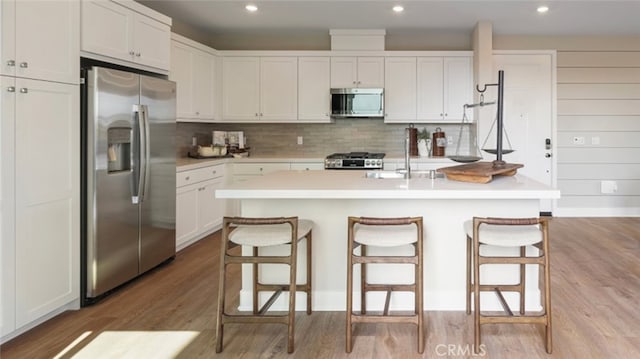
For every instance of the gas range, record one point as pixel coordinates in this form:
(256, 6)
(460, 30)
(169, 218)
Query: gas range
(354, 161)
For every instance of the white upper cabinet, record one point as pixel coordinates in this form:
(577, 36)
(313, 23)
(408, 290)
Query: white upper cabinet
(118, 32)
(400, 89)
(39, 40)
(314, 98)
(444, 86)
(193, 70)
(357, 72)
(260, 89)
(240, 88)
(278, 88)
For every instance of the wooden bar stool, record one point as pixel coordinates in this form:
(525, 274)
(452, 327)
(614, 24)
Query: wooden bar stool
(262, 232)
(384, 232)
(508, 232)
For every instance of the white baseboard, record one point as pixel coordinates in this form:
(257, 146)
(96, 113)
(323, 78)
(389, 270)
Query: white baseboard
(597, 212)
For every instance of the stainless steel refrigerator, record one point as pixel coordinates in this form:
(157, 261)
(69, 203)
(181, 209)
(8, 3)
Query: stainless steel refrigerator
(129, 172)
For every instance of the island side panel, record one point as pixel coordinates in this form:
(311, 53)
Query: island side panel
(444, 272)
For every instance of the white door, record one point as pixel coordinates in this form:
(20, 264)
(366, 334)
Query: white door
(529, 114)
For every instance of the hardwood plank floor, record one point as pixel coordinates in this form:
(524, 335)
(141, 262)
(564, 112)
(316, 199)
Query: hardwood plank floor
(170, 313)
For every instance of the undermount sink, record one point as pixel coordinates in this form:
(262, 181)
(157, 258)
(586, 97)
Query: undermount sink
(384, 174)
(400, 175)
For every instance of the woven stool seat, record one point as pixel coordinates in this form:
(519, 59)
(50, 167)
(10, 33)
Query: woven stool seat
(268, 234)
(385, 236)
(506, 236)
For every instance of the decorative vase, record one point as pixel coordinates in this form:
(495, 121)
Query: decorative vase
(423, 148)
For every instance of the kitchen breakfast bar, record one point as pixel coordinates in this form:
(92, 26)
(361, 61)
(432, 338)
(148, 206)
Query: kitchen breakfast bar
(329, 197)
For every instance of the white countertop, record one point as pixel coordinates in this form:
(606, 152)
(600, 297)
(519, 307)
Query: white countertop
(353, 185)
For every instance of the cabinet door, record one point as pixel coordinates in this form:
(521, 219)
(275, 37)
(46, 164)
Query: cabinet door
(370, 72)
(458, 88)
(344, 72)
(430, 86)
(314, 98)
(203, 84)
(400, 89)
(151, 42)
(8, 37)
(46, 45)
(106, 29)
(210, 208)
(7, 225)
(187, 221)
(47, 212)
(278, 89)
(182, 73)
(240, 88)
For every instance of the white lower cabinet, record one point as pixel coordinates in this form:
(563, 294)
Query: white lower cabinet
(198, 211)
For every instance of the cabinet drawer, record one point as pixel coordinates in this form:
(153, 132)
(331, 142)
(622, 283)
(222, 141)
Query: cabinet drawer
(307, 166)
(258, 168)
(199, 175)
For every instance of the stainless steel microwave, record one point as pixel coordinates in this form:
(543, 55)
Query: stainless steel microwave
(357, 102)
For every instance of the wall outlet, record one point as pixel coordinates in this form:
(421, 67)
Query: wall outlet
(300, 140)
(578, 140)
(608, 187)
(449, 140)
(595, 140)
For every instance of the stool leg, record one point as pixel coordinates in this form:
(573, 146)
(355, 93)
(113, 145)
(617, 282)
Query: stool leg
(349, 328)
(292, 295)
(547, 288)
(363, 281)
(476, 293)
(221, 291)
(523, 274)
(255, 282)
(469, 242)
(420, 291)
(309, 259)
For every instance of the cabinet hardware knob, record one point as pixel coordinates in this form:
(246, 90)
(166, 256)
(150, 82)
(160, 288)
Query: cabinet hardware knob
(131, 53)
(24, 90)
(441, 115)
(187, 178)
(11, 89)
(197, 113)
(24, 65)
(137, 54)
(256, 114)
(261, 114)
(11, 63)
(214, 172)
(547, 155)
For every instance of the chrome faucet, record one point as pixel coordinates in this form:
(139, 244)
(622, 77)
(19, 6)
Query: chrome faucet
(407, 153)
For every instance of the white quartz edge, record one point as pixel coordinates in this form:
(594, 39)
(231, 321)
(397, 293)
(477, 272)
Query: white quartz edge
(354, 185)
(187, 164)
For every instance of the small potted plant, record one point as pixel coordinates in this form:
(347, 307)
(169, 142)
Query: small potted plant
(424, 143)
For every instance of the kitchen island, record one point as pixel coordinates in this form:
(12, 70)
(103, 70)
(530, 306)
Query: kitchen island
(329, 197)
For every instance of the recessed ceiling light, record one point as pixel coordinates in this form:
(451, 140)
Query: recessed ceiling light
(542, 9)
(398, 8)
(251, 8)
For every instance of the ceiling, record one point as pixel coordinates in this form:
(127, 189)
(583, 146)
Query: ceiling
(509, 17)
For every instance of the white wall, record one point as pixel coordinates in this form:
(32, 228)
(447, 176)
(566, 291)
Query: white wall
(599, 105)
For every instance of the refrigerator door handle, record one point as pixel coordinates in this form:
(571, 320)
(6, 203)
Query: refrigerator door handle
(137, 155)
(145, 154)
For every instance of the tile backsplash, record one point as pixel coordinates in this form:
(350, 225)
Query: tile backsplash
(319, 140)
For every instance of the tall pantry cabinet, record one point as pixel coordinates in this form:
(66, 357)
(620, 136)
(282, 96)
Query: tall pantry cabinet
(40, 162)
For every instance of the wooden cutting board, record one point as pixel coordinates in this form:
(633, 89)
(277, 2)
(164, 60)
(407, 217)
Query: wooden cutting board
(479, 172)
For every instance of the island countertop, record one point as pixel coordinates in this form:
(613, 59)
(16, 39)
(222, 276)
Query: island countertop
(354, 185)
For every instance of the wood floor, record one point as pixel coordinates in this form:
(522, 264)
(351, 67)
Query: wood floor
(170, 313)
